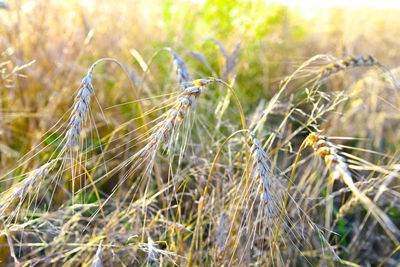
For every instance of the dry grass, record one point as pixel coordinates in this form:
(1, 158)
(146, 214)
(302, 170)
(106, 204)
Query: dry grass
(146, 161)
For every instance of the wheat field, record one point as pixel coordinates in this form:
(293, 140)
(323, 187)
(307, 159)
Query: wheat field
(198, 133)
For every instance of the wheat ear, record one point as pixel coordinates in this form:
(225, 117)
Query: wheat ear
(185, 102)
(79, 111)
(98, 257)
(345, 63)
(263, 173)
(181, 71)
(21, 189)
(329, 152)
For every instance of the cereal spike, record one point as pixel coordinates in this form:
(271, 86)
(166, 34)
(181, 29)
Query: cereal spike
(263, 173)
(340, 169)
(185, 102)
(79, 111)
(343, 64)
(181, 71)
(21, 189)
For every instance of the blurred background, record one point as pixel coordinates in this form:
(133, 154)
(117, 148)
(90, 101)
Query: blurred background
(61, 39)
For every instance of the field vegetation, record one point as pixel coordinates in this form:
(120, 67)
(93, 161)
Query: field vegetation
(198, 133)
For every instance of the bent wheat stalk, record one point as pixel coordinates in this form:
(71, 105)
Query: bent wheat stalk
(185, 102)
(340, 169)
(346, 63)
(162, 131)
(70, 144)
(81, 106)
(357, 61)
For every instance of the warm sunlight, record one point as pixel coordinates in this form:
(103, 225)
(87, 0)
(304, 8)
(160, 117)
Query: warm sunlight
(199, 133)
(341, 3)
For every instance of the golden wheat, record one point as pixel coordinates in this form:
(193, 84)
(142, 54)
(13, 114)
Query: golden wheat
(340, 169)
(346, 63)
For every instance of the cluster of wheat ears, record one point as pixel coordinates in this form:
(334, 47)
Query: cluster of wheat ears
(145, 193)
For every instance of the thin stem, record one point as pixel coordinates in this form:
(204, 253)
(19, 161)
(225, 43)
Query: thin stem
(287, 192)
(395, 82)
(217, 156)
(242, 119)
(130, 82)
(201, 204)
(214, 162)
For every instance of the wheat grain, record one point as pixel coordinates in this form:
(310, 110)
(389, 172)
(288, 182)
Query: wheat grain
(340, 169)
(181, 71)
(185, 102)
(263, 173)
(79, 111)
(348, 62)
(98, 258)
(21, 189)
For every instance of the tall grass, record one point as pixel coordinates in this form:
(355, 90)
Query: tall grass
(148, 161)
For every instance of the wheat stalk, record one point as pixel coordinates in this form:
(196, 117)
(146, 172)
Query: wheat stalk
(262, 173)
(346, 63)
(181, 71)
(98, 257)
(329, 151)
(21, 189)
(79, 111)
(182, 105)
